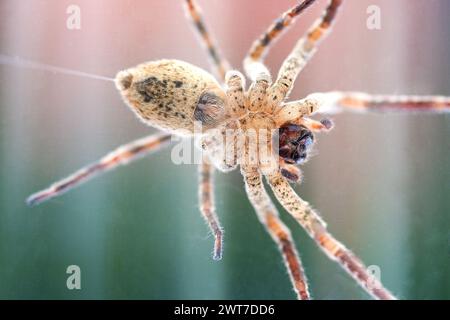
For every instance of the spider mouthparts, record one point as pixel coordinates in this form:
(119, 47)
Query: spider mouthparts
(294, 143)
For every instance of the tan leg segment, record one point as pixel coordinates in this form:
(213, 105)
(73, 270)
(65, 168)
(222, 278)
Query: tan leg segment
(121, 156)
(253, 62)
(219, 64)
(357, 101)
(257, 95)
(207, 208)
(303, 52)
(294, 110)
(268, 216)
(316, 228)
(235, 82)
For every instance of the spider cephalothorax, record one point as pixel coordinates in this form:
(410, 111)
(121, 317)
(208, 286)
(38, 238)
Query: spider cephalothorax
(239, 126)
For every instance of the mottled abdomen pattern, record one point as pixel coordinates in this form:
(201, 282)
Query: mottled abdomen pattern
(165, 93)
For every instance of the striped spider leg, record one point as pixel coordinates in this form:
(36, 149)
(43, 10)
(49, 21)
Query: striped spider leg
(121, 156)
(316, 228)
(336, 101)
(253, 64)
(268, 215)
(206, 171)
(219, 64)
(207, 207)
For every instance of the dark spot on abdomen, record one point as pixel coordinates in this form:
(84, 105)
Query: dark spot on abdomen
(152, 89)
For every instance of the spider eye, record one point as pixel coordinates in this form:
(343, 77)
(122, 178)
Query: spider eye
(294, 143)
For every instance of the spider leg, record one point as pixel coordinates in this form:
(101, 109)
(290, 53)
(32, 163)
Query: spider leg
(357, 101)
(294, 110)
(219, 64)
(121, 156)
(268, 215)
(257, 93)
(235, 82)
(297, 112)
(316, 228)
(207, 208)
(253, 62)
(303, 52)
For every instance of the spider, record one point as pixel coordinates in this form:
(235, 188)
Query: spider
(174, 96)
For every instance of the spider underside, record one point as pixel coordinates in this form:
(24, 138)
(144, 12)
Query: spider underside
(254, 128)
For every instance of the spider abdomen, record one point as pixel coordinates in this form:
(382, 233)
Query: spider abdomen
(171, 94)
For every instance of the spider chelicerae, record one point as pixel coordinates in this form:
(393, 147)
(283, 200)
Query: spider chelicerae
(174, 96)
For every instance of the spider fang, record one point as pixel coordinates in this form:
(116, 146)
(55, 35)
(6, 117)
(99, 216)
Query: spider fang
(294, 143)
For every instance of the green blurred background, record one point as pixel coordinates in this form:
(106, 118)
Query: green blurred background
(381, 181)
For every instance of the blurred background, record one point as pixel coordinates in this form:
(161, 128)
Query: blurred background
(381, 181)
